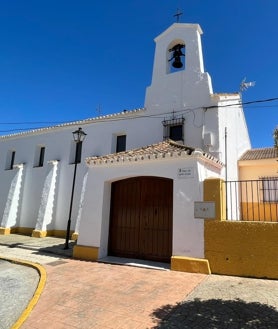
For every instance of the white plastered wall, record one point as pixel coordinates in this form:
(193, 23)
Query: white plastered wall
(188, 233)
(58, 143)
(231, 116)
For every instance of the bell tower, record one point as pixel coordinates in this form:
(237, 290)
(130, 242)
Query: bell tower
(178, 78)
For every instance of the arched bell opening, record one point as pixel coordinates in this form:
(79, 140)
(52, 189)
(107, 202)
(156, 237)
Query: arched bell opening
(176, 56)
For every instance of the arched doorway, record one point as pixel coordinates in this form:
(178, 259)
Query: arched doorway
(141, 218)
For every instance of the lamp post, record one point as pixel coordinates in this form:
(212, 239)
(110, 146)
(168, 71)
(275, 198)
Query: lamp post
(78, 137)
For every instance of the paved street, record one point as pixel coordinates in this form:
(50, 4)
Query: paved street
(87, 295)
(17, 286)
(227, 302)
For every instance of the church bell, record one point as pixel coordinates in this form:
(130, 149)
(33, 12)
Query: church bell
(177, 53)
(177, 63)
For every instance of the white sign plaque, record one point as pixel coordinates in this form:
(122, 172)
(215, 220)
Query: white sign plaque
(204, 209)
(187, 172)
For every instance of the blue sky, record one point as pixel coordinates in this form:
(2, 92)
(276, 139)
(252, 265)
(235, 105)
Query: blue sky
(67, 60)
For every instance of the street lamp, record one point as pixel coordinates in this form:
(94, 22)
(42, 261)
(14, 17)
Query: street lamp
(78, 137)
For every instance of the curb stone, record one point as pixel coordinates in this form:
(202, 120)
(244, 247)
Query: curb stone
(42, 280)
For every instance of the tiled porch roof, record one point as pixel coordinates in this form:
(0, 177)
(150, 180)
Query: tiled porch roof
(166, 149)
(260, 154)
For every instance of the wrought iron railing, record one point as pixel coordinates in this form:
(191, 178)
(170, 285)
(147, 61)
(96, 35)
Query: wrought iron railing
(252, 200)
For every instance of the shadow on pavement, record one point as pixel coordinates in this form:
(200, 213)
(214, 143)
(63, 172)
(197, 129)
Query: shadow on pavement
(58, 250)
(216, 314)
(51, 250)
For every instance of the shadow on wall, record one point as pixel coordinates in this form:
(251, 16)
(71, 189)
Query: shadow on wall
(216, 314)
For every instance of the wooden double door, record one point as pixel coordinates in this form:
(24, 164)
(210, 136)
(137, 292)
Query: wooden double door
(141, 218)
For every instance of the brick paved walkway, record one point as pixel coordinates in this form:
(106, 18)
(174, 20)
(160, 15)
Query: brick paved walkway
(88, 295)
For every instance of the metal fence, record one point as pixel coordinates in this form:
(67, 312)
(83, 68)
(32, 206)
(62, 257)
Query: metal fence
(252, 200)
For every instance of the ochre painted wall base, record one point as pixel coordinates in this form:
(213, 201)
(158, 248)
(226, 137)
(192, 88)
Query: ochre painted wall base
(23, 230)
(39, 234)
(242, 248)
(60, 233)
(36, 233)
(188, 264)
(5, 230)
(85, 253)
(74, 236)
(214, 190)
(16, 230)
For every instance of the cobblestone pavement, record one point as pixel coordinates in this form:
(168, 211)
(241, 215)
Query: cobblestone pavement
(88, 295)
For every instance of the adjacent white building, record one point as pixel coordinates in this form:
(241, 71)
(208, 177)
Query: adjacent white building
(141, 170)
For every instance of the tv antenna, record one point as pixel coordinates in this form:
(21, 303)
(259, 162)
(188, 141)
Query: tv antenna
(245, 85)
(98, 109)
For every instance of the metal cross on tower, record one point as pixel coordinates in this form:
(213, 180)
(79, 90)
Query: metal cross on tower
(178, 14)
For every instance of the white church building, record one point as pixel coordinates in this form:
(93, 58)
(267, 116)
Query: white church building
(141, 170)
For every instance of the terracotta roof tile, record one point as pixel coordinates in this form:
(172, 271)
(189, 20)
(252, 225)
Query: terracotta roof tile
(166, 149)
(260, 153)
(107, 117)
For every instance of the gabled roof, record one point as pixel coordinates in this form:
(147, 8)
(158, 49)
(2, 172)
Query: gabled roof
(179, 26)
(108, 117)
(260, 154)
(166, 149)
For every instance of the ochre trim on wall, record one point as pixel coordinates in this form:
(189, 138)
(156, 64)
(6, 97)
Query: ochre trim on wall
(262, 211)
(85, 252)
(188, 264)
(62, 234)
(5, 230)
(39, 234)
(22, 230)
(242, 248)
(214, 190)
(29, 231)
(75, 236)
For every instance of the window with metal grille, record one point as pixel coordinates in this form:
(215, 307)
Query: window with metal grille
(173, 129)
(270, 189)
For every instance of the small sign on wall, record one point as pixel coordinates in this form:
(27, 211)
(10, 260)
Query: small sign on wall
(204, 209)
(187, 172)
